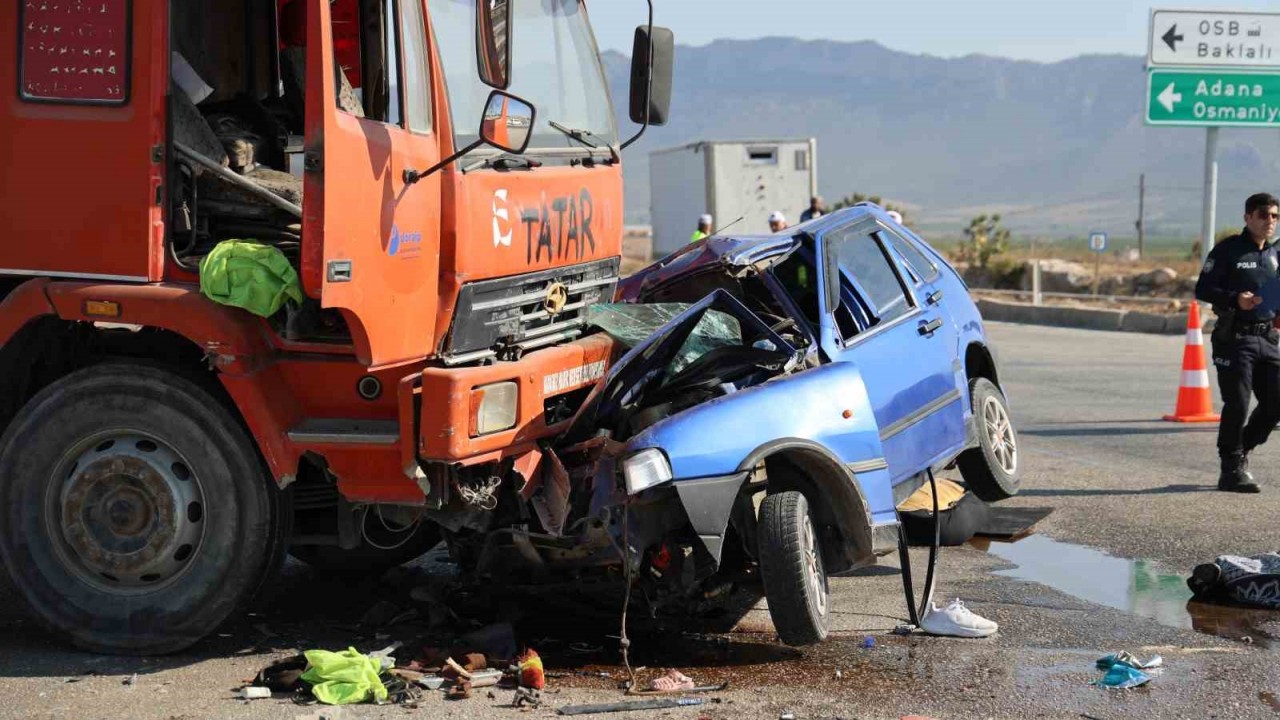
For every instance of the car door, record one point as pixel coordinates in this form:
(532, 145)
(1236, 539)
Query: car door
(371, 243)
(925, 279)
(897, 341)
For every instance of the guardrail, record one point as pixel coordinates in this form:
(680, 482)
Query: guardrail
(1078, 296)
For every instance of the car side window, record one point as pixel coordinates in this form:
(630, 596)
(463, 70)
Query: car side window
(868, 264)
(918, 264)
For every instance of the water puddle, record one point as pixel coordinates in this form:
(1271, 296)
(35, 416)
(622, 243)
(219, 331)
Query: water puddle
(1134, 586)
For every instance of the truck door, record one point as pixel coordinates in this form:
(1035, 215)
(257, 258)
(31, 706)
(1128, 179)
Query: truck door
(371, 244)
(83, 130)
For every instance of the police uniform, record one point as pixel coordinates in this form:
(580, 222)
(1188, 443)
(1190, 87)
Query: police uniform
(1246, 351)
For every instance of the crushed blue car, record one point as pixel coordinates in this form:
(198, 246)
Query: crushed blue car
(780, 396)
(862, 363)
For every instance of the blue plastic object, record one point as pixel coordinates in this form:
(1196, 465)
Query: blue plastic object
(1123, 677)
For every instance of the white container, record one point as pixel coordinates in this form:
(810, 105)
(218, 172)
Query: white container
(728, 179)
(255, 693)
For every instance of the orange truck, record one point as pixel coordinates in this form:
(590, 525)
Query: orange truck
(442, 177)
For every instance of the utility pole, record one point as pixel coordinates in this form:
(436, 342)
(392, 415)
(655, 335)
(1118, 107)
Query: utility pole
(1142, 197)
(1210, 191)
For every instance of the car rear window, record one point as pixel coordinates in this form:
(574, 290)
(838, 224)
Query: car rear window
(917, 262)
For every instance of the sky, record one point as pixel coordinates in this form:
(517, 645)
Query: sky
(1040, 30)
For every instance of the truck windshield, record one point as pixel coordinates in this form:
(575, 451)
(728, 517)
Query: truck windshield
(554, 65)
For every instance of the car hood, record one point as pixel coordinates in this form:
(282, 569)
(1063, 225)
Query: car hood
(716, 251)
(646, 365)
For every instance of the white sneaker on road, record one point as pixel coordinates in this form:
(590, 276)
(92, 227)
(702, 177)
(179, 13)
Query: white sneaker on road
(956, 620)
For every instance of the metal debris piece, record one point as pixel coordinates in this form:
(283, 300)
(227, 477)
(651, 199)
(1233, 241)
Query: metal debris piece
(630, 706)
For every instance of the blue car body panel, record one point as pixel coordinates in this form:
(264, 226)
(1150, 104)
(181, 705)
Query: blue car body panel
(718, 437)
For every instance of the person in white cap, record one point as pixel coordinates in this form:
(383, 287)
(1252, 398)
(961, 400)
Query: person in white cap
(777, 221)
(704, 228)
(897, 216)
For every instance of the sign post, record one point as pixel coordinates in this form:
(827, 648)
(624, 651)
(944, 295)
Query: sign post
(1227, 73)
(1098, 244)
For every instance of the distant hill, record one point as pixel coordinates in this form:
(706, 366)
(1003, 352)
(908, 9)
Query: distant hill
(1058, 147)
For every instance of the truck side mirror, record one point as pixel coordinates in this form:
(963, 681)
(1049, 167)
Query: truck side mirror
(651, 91)
(493, 42)
(507, 123)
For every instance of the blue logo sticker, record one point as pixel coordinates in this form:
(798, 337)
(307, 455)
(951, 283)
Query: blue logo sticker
(405, 245)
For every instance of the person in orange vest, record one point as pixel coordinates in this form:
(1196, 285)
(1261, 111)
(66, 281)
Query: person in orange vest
(1246, 338)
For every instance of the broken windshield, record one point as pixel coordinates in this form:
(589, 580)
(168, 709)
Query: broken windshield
(632, 324)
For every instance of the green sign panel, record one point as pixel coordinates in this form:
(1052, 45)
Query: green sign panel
(1213, 98)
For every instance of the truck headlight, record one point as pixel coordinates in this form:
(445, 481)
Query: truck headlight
(645, 469)
(494, 408)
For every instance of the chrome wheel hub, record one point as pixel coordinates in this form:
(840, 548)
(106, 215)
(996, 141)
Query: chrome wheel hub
(813, 565)
(999, 429)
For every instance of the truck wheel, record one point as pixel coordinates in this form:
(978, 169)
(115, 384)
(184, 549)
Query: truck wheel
(991, 469)
(367, 559)
(795, 581)
(137, 513)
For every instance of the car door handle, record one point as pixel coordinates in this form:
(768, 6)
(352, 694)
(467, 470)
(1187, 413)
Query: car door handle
(934, 298)
(930, 327)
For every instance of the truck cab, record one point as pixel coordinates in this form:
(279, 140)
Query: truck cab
(441, 182)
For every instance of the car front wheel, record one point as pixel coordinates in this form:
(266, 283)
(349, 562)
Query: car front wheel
(795, 580)
(991, 469)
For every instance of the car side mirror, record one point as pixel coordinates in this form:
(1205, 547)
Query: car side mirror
(508, 122)
(651, 91)
(493, 42)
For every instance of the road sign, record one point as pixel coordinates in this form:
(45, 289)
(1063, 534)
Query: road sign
(1212, 98)
(1213, 38)
(1098, 242)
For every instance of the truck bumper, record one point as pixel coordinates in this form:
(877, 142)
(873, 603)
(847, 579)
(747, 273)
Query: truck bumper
(552, 383)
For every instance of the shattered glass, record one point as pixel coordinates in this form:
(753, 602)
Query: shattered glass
(632, 324)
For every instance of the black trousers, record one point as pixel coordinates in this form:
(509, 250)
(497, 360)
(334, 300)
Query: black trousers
(1247, 364)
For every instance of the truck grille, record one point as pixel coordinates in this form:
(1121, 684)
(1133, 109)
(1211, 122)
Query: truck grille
(508, 316)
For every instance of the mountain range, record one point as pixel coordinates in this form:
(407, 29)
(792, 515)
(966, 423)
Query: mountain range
(1056, 147)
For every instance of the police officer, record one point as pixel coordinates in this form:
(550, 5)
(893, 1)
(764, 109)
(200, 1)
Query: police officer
(1246, 342)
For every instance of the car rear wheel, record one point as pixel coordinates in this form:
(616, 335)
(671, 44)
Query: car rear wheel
(795, 580)
(137, 513)
(991, 469)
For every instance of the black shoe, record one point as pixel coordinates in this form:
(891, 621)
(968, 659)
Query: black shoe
(1204, 580)
(1235, 477)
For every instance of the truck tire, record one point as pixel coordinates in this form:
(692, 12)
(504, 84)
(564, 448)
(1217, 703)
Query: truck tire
(795, 581)
(137, 512)
(991, 469)
(368, 560)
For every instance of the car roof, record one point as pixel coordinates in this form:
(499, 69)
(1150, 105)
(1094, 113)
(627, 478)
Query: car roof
(743, 250)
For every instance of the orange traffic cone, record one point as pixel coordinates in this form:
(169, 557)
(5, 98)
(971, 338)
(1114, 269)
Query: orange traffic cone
(1195, 402)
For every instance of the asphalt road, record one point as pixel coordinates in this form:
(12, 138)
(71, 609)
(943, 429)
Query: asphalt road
(1133, 511)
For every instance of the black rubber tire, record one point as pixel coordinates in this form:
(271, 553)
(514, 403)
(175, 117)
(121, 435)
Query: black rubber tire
(240, 532)
(980, 466)
(367, 560)
(798, 608)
